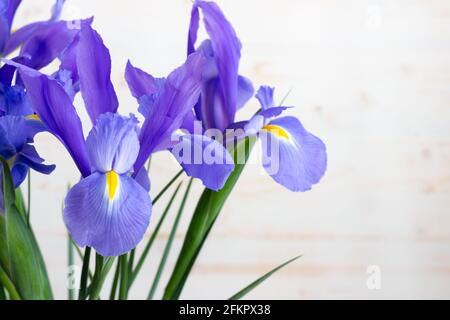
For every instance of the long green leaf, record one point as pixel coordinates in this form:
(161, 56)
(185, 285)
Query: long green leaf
(257, 282)
(153, 236)
(169, 243)
(205, 214)
(20, 256)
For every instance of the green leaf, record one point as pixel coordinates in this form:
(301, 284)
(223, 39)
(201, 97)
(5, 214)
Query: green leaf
(205, 214)
(20, 256)
(256, 283)
(169, 243)
(20, 203)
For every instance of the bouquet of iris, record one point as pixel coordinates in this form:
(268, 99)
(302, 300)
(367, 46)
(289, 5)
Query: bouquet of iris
(190, 113)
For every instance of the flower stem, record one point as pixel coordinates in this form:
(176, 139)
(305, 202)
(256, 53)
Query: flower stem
(123, 290)
(112, 295)
(84, 274)
(97, 281)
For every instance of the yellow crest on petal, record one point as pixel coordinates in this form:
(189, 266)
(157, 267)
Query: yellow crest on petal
(33, 117)
(276, 130)
(112, 183)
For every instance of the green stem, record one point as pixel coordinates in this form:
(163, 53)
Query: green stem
(169, 243)
(9, 285)
(166, 187)
(84, 274)
(123, 290)
(96, 282)
(69, 264)
(153, 236)
(112, 295)
(131, 262)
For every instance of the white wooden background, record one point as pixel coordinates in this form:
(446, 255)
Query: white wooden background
(371, 78)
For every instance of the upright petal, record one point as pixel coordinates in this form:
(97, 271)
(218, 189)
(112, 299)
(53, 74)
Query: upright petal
(265, 97)
(226, 49)
(204, 158)
(55, 109)
(140, 82)
(113, 143)
(292, 156)
(111, 225)
(57, 9)
(94, 71)
(180, 93)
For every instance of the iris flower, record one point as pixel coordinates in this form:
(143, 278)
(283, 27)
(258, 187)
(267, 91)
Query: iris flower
(292, 156)
(109, 209)
(16, 136)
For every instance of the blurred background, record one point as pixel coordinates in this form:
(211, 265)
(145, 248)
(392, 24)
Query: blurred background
(371, 78)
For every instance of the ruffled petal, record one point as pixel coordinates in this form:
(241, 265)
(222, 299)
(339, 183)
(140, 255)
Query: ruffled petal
(94, 71)
(112, 226)
(204, 158)
(292, 156)
(113, 143)
(265, 97)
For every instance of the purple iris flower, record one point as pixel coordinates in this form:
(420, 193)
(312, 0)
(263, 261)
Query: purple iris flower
(292, 156)
(109, 209)
(16, 135)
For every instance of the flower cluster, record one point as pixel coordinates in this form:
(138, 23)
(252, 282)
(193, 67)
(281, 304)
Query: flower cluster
(109, 209)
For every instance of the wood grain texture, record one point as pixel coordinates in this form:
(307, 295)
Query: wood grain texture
(371, 78)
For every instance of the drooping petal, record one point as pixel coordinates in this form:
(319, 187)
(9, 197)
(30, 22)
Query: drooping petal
(111, 225)
(36, 166)
(204, 158)
(180, 93)
(292, 156)
(226, 50)
(113, 143)
(265, 97)
(55, 109)
(94, 71)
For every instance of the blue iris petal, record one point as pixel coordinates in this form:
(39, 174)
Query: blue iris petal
(113, 143)
(204, 158)
(296, 158)
(112, 228)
